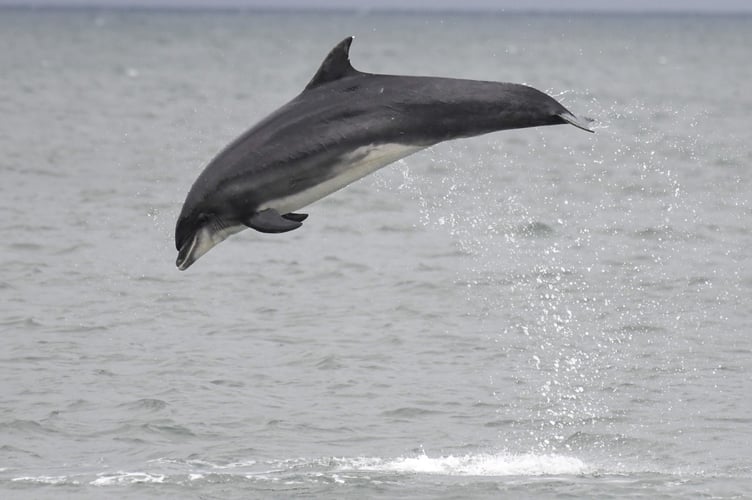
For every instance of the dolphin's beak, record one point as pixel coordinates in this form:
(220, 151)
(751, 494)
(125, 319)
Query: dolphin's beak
(203, 240)
(185, 255)
(193, 248)
(581, 123)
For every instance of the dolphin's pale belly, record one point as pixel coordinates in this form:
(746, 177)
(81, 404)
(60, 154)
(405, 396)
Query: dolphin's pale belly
(349, 168)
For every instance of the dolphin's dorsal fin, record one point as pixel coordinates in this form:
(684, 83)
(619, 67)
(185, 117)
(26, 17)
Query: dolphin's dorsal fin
(336, 65)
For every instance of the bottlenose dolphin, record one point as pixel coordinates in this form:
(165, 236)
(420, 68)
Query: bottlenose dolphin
(345, 125)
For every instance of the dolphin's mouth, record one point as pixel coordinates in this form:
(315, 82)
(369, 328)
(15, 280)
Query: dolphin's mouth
(204, 240)
(185, 255)
(581, 123)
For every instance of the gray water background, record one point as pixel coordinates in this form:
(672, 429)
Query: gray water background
(542, 313)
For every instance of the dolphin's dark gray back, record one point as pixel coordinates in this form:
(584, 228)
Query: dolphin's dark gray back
(341, 101)
(342, 108)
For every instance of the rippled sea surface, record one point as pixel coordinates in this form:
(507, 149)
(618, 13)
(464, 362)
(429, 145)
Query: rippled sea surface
(543, 312)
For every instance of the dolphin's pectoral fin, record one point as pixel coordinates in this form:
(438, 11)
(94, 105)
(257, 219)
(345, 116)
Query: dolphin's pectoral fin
(295, 217)
(270, 221)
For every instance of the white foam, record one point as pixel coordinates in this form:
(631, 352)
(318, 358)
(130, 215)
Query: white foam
(345, 469)
(44, 479)
(203, 463)
(477, 465)
(109, 479)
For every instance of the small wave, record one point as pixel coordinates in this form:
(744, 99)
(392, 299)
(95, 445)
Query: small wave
(109, 479)
(24, 322)
(29, 426)
(8, 451)
(167, 429)
(408, 412)
(53, 480)
(71, 249)
(329, 362)
(145, 404)
(640, 328)
(227, 383)
(534, 229)
(700, 281)
(200, 464)
(396, 228)
(476, 465)
(140, 433)
(25, 247)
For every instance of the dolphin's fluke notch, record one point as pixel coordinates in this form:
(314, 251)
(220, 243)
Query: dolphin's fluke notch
(581, 123)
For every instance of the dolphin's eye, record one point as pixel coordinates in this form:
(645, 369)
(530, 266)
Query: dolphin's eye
(203, 217)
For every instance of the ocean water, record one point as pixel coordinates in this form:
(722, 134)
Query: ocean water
(538, 313)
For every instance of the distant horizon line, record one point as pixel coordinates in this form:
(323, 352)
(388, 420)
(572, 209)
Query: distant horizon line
(364, 10)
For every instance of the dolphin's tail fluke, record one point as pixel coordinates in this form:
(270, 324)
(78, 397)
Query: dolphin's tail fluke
(583, 123)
